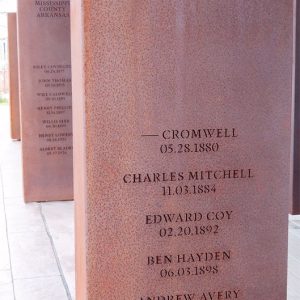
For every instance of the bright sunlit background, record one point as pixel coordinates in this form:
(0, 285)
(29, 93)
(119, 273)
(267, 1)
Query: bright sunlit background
(8, 5)
(5, 6)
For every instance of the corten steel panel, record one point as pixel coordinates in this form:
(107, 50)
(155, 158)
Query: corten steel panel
(165, 89)
(46, 99)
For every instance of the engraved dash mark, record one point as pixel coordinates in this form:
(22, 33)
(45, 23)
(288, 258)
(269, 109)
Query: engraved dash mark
(149, 135)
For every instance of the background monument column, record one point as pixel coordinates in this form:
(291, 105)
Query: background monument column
(13, 76)
(46, 99)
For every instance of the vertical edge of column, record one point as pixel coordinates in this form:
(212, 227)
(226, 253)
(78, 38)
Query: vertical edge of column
(79, 140)
(295, 203)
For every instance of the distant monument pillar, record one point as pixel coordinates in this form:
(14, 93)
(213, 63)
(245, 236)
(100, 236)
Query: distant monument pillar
(13, 77)
(46, 99)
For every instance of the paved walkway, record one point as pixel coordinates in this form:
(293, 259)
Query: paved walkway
(36, 240)
(294, 259)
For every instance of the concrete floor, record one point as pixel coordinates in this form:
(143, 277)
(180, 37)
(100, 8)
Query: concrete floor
(294, 259)
(37, 240)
